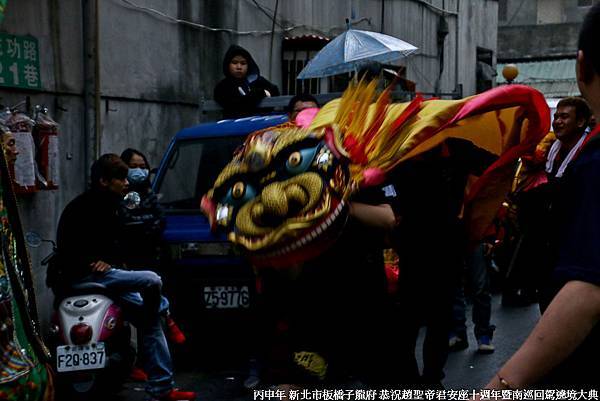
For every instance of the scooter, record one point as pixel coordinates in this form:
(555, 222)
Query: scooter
(89, 338)
(90, 341)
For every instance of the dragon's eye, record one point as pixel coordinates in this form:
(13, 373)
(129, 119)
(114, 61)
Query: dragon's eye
(295, 159)
(238, 190)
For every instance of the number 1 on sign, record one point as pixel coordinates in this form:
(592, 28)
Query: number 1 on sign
(14, 69)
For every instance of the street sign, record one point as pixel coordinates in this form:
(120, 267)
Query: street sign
(19, 62)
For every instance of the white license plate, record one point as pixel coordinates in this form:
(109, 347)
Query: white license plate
(226, 297)
(80, 357)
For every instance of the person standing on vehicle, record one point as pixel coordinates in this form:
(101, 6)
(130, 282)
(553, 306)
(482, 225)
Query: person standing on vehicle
(88, 240)
(243, 87)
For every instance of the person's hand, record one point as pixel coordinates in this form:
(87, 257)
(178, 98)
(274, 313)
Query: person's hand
(267, 93)
(100, 267)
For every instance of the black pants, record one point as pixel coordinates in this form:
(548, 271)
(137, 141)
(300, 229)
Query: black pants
(428, 281)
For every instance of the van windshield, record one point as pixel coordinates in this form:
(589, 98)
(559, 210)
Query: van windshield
(192, 168)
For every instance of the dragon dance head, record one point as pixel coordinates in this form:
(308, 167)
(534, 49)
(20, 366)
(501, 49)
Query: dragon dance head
(283, 197)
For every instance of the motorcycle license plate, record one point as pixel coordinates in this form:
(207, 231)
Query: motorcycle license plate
(226, 297)
(80, 357)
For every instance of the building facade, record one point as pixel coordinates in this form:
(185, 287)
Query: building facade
(546, 59)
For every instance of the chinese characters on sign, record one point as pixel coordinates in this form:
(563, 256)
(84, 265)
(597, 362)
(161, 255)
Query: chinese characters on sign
(19, 62)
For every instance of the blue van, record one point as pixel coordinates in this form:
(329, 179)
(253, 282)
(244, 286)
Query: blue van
(204, 278)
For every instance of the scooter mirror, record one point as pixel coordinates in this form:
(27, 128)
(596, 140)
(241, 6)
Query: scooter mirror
(33, 239)
(132, 200)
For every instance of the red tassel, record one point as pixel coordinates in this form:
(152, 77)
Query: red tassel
(355, 149)
(410, 110)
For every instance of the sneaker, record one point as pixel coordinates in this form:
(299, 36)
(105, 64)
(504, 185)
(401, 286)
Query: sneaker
(174, 334)
(251, 382)
(177, 395)
(457, 343)
(138, 375)
(484, 345)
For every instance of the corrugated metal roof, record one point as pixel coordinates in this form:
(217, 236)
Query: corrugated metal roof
(554, 78)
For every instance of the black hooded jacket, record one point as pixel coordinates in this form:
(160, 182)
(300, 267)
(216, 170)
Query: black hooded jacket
(239, 97)
(89, 230)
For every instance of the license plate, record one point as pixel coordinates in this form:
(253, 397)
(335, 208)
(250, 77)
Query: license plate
(80, 357)
(226, 297)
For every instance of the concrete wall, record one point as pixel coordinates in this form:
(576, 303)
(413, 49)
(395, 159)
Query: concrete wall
(551, 26)
(533, 12)
(550, 12)
(542, 41)
(520, 12)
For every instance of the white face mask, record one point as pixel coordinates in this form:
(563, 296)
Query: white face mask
(137, 175)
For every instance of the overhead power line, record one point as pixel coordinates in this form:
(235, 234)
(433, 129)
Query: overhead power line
(159, 14)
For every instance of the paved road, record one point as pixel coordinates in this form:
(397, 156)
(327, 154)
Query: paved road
(469, 370)
(465, 369)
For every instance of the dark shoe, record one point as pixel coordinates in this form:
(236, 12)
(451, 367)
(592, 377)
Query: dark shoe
(484, 345)
(457, 343)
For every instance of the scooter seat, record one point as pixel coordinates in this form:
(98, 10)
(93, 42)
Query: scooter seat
(78, 289)
(87, 288)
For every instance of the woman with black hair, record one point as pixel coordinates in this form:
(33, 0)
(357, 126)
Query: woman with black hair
(143, 225)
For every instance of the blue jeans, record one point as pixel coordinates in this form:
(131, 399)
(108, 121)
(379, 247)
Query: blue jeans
(478, 278)
(140, 296)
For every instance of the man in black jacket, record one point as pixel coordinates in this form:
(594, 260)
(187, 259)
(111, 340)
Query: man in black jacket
(88, 246)
(243, 88)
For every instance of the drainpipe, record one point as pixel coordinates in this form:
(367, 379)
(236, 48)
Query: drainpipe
(91, 83)
(456, 85)
(442, 32)
(382, 16)
(272, 40)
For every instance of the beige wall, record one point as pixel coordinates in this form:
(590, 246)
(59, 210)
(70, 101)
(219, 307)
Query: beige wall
(549, 11)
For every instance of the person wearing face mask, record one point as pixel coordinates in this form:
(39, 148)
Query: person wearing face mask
(143, 228)
(144, 223)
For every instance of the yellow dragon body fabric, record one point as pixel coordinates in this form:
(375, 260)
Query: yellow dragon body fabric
(283, 197)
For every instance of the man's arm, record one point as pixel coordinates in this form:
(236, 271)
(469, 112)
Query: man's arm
(378, 216)
(570, 317)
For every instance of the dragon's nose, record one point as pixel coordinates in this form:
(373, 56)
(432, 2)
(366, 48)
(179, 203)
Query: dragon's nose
(274, 200)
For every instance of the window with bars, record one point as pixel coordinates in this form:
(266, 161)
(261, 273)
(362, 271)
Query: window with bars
(297, 52)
